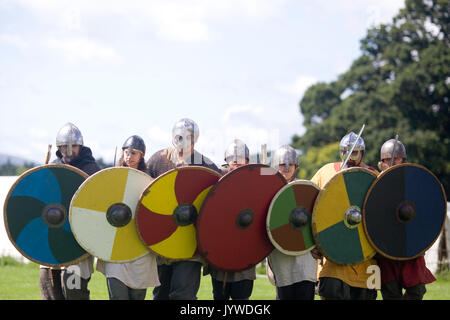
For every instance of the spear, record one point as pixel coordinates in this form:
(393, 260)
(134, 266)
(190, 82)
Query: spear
(264, 153)
(115, 155)
(353, 147)
(393, 151)
(47, 158)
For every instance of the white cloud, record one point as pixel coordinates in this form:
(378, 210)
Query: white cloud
(253, 124)
(31, 144)
(296, 88)
(176, 20)
(71, 18)
(14, 40)
(180, 22)
(81, 49)
(39, 133)
(374, 11)
(382, 11)
(158, 136)
(190, 21)
(237, 114)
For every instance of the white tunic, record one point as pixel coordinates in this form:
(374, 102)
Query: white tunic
(138, 274)
(84, 268)
(288, 270)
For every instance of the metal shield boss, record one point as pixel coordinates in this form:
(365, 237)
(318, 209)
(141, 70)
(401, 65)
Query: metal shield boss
(168, 210)
(337, 217)
(232, 221)
(404, 211)
(36, 215)
(102, 214)
(289, 217)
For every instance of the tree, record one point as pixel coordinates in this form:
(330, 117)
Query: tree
(102, 164)
(399, 85)
(9, 169)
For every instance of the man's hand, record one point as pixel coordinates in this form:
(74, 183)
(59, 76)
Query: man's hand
(382, 166)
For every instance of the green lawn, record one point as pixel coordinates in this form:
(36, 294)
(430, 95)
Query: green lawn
(21, 282)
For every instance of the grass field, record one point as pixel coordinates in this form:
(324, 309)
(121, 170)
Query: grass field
(20, 281)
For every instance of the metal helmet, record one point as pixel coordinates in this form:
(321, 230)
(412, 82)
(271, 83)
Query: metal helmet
(184, 132)
(69, 135)
(347, 142)
(285, 155)
(236, 150)
(134, 142)
(388, 147)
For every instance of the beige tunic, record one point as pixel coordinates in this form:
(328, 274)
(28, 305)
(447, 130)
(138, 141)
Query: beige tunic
(138, 274)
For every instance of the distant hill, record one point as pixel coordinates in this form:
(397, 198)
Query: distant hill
(16, 161)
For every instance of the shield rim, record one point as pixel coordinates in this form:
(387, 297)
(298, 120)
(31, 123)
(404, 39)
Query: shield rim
(80, 188)
(269, 211)
(213, 189)
(380, 176)
(144, 193)
(5, 219)
(314, 216)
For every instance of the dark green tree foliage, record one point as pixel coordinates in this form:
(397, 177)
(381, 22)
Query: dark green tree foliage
(399, 85)
(9, 169)
(103, 165)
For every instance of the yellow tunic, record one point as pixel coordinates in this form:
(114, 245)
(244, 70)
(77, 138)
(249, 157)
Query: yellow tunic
(356, 275)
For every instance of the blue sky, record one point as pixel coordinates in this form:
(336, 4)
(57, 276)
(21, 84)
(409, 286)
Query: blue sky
(116, 68)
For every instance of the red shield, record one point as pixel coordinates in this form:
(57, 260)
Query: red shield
(231, 227)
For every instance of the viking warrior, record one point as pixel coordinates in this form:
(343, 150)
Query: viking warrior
(354, 160)
(347, 142)
(294, 276)
(342, 281)
(133, 152)
(130, 280)
(285, 160)
(409, 275)
(387, 155)
(233, 285)
(53, 282)
(185, 134)
(236, 155)
(72, 151)
(180, 279)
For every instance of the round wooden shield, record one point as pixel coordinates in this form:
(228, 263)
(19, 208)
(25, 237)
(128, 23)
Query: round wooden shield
(168, 210)
(289, 217)
(36, 214)
(404, 211)
(102, 214)
(232, 221)
(337, 217)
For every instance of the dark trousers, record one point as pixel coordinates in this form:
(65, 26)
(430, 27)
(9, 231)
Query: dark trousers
(336, 289)
(118, 290)
(303, 290)
(179, 281)
(393, 290)
(62, 285)
(74, 287)
(239, 290)
(50, 284)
